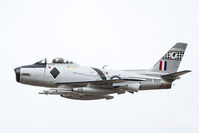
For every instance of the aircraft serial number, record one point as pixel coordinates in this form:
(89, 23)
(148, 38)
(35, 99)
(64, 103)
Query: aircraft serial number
(153, 80)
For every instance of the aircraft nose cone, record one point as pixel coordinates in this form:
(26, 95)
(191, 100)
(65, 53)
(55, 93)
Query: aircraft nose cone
(17, 72)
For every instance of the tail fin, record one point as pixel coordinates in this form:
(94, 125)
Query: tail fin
(170, 62)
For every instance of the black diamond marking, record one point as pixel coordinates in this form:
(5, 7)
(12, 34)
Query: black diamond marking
(54, 72)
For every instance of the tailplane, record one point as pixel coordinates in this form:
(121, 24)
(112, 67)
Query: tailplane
(170, 62)
(173, 76)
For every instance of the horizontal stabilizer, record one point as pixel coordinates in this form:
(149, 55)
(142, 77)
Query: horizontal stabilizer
(175, 75)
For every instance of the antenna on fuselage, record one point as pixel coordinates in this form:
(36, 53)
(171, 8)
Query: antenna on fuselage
(104, 66)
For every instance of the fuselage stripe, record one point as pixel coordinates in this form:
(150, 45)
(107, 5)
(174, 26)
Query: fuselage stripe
(101, 74)
(160, 66)
(165, 65)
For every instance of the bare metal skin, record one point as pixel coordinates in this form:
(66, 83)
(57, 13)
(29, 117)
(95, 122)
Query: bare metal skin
(73, 81)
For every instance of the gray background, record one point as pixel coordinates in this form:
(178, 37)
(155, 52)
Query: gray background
(124, 34)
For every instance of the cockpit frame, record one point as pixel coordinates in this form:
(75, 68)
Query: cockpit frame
(41, 62)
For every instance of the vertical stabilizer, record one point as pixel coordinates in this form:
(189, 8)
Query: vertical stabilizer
(170, 62)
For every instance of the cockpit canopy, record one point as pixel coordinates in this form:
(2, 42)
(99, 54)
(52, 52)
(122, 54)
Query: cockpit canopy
(58, 60)
(54, 61)
(61, 60)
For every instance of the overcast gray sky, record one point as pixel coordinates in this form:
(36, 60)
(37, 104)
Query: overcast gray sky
(124, 34)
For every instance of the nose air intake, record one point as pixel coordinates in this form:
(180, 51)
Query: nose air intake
(17, 72)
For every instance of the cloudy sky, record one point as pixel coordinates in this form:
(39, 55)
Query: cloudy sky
(123, 34)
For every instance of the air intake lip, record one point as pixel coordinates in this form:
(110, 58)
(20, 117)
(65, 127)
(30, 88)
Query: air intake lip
(17, 72)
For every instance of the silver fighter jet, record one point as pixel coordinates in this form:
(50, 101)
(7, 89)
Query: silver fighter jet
(70, 80)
